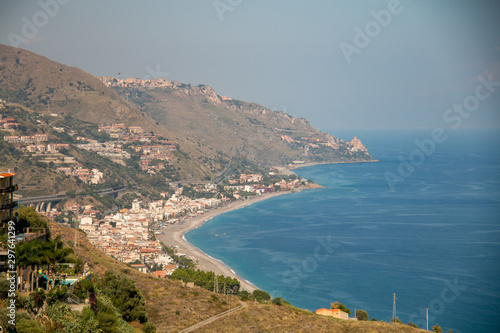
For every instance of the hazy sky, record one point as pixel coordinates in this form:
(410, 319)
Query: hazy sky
(341, 64)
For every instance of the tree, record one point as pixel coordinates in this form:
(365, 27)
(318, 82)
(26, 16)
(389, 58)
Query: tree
(412, 325)
(78, 268)
(27, 217)
(125, 296)
(59, 254)
(361, 314)
(436, 328)
(261, 295)
(4, 288)
(341, 307)
(31, 255)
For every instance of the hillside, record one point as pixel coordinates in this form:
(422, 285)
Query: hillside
(52, 88)
(236, 128)
(172, 307)
(209, 128)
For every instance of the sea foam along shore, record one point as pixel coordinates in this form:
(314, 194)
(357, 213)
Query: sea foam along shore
(174, 236)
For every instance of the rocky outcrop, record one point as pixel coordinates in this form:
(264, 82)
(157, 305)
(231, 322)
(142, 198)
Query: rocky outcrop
(357, 144)
(209, 93)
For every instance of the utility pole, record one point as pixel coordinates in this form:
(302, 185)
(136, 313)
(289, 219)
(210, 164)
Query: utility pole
(427, 317)
(225, 292)
(76, 231)
(394, 308)
(216, 284)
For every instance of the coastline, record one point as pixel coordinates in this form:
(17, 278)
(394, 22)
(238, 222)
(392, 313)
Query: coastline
(174, 236)
(309, 164)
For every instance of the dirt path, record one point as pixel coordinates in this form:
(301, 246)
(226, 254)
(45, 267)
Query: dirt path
(214, 318)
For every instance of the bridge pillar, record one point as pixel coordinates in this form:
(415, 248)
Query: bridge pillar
(37, 209)
(49, 207)
(41, 206)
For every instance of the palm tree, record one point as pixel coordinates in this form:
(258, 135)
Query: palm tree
(23, 255)
(59, 253)
(43, 259)
(30, 256)
(37, 260)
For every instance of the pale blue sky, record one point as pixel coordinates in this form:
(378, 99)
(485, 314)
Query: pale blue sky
(286, 54)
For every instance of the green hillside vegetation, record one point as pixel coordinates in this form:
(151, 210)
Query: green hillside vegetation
(37, 173)
(114, 300)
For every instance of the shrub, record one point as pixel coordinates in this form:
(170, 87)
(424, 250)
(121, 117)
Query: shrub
(29, 326)
(244, 295)
(261, 295)
(436, 328)
(125, 296)
(149, 328)
(341, 307)
(278, 301)
(361, 314)
(56, 295)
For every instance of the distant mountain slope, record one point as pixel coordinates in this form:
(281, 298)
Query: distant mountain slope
(49, 87)
(239, 128)
(209, 129)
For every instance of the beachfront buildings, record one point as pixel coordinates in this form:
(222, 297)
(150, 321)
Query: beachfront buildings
(125, 235)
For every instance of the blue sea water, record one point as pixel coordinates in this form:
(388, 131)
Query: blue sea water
(432, 239)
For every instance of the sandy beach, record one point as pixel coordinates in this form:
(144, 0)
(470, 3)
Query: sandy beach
(174, 237)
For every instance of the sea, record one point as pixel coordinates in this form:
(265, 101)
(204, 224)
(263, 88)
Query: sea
(417, 232)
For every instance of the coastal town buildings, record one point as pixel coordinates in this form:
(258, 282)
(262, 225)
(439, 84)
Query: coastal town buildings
(88, 176)
(125, 235)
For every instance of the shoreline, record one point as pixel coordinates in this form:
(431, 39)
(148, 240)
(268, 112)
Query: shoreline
(309, 164)
(174, 236)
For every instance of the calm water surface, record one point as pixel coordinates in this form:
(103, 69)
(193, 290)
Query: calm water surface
(433, 239)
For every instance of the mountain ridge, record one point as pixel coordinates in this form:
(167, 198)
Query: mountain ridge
(237, 127)
(209, 129)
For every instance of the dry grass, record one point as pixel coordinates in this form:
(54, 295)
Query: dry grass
(274, 318)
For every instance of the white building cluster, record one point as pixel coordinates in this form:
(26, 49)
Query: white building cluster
(125, 235)
(111, 150)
